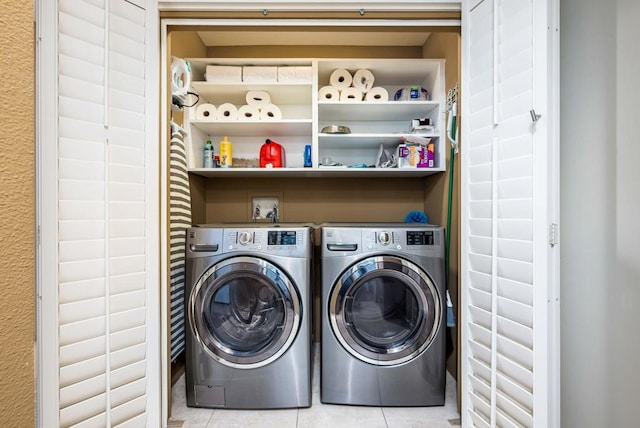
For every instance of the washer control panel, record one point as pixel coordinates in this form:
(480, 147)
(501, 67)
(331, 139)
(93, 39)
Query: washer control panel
(288, 242)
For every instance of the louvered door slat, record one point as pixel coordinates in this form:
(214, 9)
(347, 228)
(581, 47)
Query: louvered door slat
(102, 211)
(501, 246)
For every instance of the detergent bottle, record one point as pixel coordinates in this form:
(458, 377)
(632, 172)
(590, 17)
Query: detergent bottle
(207, 161)
(271, 155)
(226, 153)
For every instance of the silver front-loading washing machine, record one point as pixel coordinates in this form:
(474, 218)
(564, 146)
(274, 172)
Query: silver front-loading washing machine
(383, 297)
(248, 308)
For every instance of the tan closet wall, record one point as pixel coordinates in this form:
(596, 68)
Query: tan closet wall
(447, 46)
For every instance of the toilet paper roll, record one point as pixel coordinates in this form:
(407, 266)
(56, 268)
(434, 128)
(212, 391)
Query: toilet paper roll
(363, 79)
(377, 93)
(206, 112)
(249, 113)
(258, 98)
(329, 93)
(351, 94)
(227, 111)
(270, 112)
(340, 78)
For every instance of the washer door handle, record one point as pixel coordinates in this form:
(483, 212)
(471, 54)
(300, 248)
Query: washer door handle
(200, 248)
(342, 247)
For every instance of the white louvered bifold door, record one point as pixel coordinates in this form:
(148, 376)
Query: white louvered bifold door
(102, 214)
(506, 285)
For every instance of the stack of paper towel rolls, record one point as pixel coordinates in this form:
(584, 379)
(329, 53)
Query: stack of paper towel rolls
(357, 87)
(258, 107)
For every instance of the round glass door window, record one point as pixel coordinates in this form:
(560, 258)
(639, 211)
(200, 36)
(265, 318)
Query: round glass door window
(245, 312)
(385, 310)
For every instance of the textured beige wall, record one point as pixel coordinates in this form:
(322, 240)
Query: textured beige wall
(447, 45)
(17, 208)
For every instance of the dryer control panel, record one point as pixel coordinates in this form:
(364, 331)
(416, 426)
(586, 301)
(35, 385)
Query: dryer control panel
(381, 238)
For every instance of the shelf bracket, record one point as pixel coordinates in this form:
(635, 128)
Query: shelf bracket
(361, 12)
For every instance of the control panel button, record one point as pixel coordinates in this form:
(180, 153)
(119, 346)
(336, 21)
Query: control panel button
(245, 238)
(384, 238)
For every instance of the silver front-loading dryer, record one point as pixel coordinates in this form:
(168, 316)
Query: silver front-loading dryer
(383, 338)
(248, 308)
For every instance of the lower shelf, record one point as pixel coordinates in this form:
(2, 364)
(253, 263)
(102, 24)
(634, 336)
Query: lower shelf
(314, 172)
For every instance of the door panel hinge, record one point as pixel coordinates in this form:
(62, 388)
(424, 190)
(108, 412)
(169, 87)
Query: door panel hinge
(553, 234)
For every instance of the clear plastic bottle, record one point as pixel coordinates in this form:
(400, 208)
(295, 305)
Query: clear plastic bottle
(208, 155)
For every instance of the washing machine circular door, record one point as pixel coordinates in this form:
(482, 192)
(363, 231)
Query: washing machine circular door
(245, 312)
(385, 310)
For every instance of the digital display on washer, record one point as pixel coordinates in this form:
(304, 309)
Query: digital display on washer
(281, 237)
(419, 237)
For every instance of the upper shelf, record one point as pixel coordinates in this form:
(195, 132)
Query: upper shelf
(235, 93)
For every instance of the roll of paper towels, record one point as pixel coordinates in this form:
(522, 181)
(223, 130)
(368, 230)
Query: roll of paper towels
(340, 78)
(258, 98)
(270, 112)
(227, 111)
(259, 74)
(206, 112)
(248, 112)
(351, 94)
(329, 93)
(223, 74)
(377, 93)
(363, 79)
(295, 74)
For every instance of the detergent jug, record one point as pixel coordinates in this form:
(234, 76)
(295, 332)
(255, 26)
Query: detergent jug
(271, 155)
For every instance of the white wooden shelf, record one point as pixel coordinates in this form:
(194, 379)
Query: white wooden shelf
(250, 128)
(235, 93)
(354, 141)
(314, 172)
(375, 110)
(372, 123)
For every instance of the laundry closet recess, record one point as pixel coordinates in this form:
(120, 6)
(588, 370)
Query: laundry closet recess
(398, 56)
(303, 115)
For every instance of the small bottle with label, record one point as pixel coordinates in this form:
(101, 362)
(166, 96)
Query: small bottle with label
(208, 155)
(226, 153)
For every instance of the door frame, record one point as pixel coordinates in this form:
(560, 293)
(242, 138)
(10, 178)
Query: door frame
(164, 138)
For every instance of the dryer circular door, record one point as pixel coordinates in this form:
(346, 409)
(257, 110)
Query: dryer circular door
(385, 310)
(245, 312)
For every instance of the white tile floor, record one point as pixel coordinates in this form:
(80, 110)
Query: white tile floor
(318, 415)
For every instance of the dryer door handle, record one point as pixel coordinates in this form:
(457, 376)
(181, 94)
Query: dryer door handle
(203, 248)
(342, 247)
